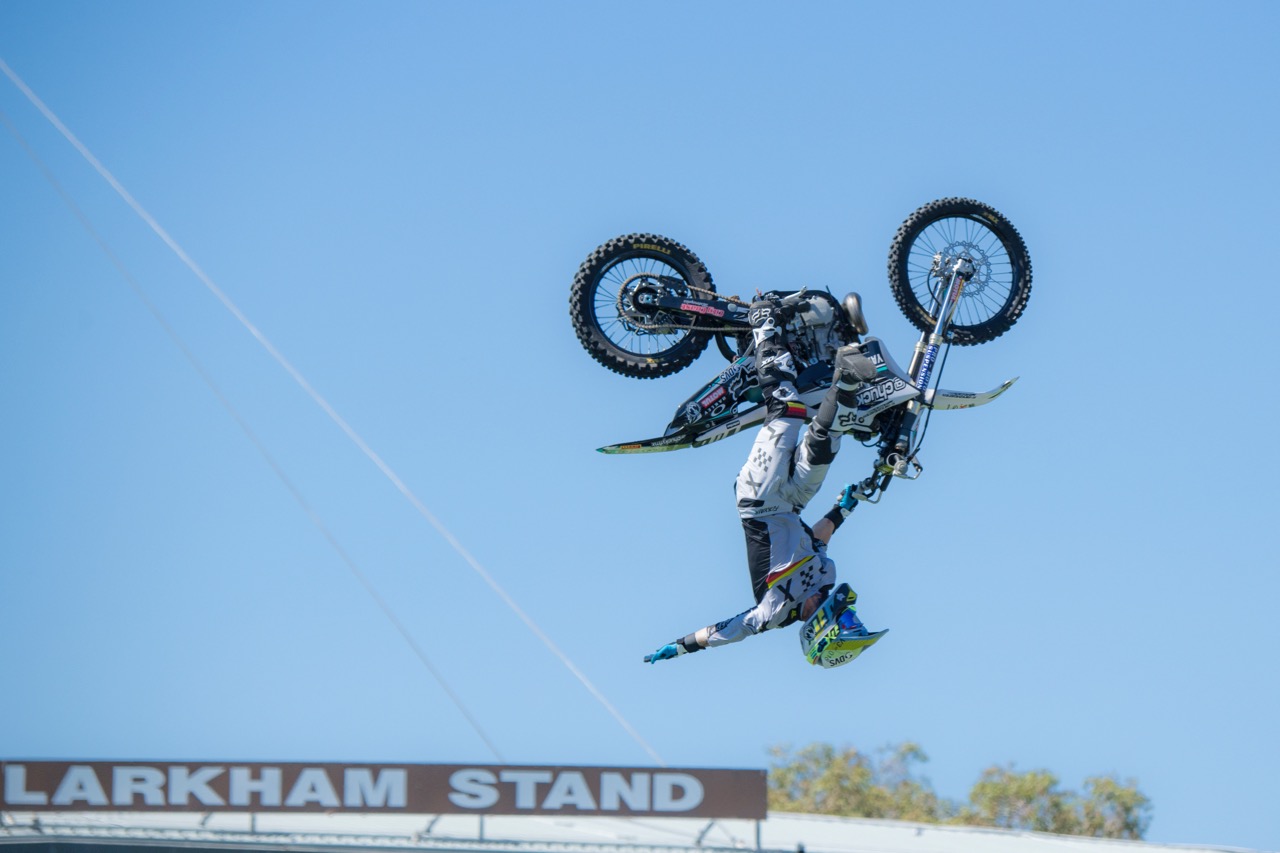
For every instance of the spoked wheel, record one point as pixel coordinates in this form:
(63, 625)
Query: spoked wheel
(993, 299)
(614, 310)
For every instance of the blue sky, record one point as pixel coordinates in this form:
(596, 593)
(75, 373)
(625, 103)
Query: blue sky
(398, 194)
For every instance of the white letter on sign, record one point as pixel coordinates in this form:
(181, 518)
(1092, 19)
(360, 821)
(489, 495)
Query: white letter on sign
(526, 782)
(473, 789)
(80, 783)
(570, 789)
(615, 790)
(183, 784)
(15, 788)
(313, 786)
(128, 782)
(243, 786)
(664, 796)
(359, 789)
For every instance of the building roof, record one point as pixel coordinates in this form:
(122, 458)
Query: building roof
(503, 834)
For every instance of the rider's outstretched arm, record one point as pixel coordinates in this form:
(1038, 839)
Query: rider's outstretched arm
(746, 624)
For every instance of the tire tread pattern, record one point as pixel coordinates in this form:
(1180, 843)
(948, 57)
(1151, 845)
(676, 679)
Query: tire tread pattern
(992, 219)
(587, 326)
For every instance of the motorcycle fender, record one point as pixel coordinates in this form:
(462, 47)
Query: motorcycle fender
(753, 416)
(728, 428)
(940, 398)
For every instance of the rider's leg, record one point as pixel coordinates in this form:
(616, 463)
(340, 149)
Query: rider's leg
(775, 367)
(775, 543)
(772, 528)
(816, 452)
(853, 370)
(769, 464)
(771, 538)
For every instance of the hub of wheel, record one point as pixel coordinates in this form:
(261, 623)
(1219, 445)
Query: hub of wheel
(637, 305)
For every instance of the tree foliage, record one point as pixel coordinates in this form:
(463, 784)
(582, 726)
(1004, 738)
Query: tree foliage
(819, 779)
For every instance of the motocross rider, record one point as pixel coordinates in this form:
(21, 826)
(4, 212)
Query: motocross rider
(791, 575)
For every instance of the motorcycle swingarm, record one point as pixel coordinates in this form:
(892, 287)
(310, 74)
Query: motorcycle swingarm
(718, 309)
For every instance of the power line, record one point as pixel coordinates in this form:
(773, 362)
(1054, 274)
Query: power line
(327, 408)
(252, 436)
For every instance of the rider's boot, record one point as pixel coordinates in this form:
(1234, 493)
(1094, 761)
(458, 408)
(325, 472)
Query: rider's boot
(838, 412)
(775, 366)
(853, 371)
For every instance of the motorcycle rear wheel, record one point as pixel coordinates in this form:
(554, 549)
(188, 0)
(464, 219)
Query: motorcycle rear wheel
(614, 318)
(994, 298)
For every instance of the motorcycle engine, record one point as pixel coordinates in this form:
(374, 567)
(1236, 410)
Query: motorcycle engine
(814, 333)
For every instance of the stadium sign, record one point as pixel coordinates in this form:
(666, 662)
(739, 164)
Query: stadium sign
(404, 788)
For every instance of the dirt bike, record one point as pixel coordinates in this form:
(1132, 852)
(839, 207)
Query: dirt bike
(645, 306)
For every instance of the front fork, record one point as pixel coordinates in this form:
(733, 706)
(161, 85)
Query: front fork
(952, 274)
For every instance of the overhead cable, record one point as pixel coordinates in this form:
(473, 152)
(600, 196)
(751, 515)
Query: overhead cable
(327, 408)
(252, 436)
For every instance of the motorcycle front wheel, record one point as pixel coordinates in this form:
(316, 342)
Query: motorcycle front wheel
(993, 300)
(614, 311)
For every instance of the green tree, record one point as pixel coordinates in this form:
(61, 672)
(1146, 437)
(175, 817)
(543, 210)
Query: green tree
(1033, 801)
(1028, 800)
(819, 779)
(1115, 809)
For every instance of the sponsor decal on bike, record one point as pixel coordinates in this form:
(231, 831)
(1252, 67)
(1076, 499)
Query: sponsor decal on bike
(847, 420)
(881, 391)
(651, 247)
(871, 350)
(737, 378)
(712, 396)
(926, 366)
(698, 308)
(724, 431)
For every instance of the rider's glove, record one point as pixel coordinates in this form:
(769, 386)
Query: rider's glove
(667, 652)
(671, 650)
(845, 504)
(847, 501)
